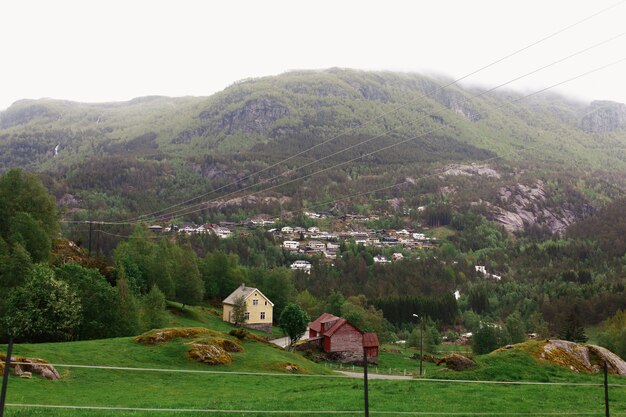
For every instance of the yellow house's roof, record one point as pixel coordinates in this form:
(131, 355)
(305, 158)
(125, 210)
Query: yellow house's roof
(245, 292)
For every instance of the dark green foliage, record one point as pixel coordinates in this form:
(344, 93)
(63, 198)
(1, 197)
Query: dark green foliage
(479, 298)
(24, 192)
(187, 280)
(127, 320)
(28, 215)
(613, 335)
(294, 321)
(400, 310)
(572, 328)
(608, 228)
(515, 328)
(220, 273)
(98, 299)
(239, 311)
(487, 338)
(31, 235)
(17, 267)
(334, 302)
(44, 309)
(277, 285)
(153, 309)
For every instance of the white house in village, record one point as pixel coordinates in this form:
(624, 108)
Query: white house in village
(481, 269)
(286, 229)
(380, 259)
(222, 232)
(302, 266)
(291, 245)
(316, 245)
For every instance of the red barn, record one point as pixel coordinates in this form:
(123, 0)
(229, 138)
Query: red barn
(336, 335)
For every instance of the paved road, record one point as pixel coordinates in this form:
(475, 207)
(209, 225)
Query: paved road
(283, 342)
(375, 376)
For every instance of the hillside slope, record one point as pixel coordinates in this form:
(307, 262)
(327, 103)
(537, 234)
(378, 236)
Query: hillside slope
(371, 130)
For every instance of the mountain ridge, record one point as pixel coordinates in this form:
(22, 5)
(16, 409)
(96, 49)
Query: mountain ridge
(335, 121)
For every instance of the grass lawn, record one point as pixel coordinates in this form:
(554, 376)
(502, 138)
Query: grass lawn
(246, 386)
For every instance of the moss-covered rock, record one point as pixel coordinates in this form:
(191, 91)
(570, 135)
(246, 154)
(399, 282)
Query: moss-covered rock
(242, 334)
(209, 353)
(157, 336)
(227, 345)
(23, 365)
(456, 362)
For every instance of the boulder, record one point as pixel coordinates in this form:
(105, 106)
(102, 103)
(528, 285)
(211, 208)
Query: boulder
(456, 362)
(581, 357)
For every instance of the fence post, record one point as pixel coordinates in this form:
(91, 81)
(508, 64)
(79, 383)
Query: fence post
(606, 390)
(5, 379)
(365, 388)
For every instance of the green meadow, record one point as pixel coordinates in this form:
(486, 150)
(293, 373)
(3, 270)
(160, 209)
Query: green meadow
(165, 382)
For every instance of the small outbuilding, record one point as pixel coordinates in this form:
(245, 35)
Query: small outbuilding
(342, 340)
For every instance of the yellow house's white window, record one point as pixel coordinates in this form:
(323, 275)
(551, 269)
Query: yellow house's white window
(255, 302)
(247, 315)
(262, 315)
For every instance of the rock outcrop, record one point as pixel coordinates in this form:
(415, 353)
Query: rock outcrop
(604, 116)
(470, 170)
(26, 367)
(581, 357)
(456, 362)
(522, 206)
(256, 116)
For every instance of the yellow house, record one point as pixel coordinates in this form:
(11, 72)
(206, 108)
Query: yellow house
(259, 308)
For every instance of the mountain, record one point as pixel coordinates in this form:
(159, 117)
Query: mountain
(554, 159)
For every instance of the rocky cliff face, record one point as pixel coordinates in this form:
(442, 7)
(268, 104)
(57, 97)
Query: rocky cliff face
(604, 116)
(522, 206)
(256, 116)
(452, 100)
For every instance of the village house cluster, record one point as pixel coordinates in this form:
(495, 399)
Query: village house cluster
(309, 241)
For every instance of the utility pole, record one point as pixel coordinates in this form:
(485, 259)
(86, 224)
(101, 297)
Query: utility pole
(5, 379)
(89, 245)
(421, 344)
(421, 323)
(365, 395)
(606, 389)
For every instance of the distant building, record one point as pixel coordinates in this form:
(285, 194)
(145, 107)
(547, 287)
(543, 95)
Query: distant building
(302, 266)
(291, 245)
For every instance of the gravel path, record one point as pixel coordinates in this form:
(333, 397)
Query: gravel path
(375, 376)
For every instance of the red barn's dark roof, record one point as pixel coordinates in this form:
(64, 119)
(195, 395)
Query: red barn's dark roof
(324, 318)
(370, 340)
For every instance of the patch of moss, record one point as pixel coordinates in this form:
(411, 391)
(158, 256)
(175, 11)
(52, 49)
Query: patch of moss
(291, 367)
(241, 334)
(209, 353)
(157, 336)
(227, 345)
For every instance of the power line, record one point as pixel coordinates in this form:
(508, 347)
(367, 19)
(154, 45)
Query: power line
(417, 136)
(320, 376)
(466, 100)
(497, 61)
(307, 412)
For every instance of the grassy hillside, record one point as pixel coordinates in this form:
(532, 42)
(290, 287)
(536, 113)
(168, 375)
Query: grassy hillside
(257, 380)
(118, 159)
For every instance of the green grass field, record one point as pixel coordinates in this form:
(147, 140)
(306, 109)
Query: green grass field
(257, 384)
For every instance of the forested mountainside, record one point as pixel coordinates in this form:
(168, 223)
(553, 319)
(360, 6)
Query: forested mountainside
(540, 160)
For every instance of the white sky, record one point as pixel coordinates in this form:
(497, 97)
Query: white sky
(110, 50)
